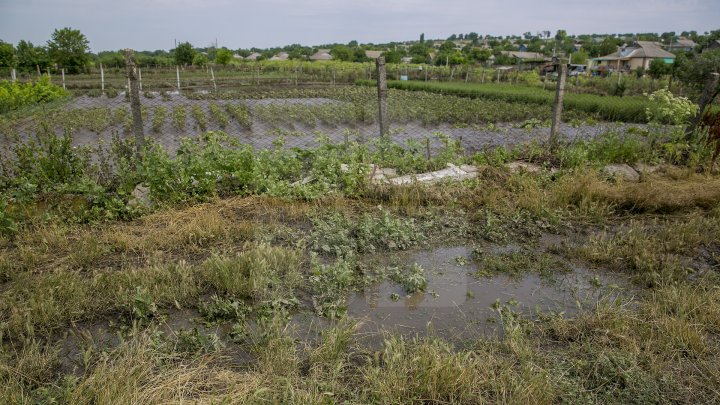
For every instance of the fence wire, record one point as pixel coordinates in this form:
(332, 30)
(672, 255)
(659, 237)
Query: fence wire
(303, 106)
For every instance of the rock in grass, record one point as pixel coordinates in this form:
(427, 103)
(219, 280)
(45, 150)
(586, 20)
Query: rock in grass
(140, 198)
(622, 171)
(516, 167)
(646, 169)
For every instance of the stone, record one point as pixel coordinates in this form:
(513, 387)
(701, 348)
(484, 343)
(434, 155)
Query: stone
(389, 172)
(140, 198)
(646, 169)
(468, 168)
(517, 167)
(452, 172)
(623, 171)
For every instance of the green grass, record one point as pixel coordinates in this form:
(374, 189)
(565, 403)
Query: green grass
(207, 294)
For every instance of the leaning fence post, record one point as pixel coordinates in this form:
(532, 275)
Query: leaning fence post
(212, 76)
(62, 74)
(711, 87)
(382, 95)
(558, 105)
(134, 92)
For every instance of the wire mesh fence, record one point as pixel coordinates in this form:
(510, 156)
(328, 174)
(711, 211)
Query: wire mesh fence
(303, 105)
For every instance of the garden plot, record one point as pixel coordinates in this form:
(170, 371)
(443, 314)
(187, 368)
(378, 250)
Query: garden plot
(298, 118)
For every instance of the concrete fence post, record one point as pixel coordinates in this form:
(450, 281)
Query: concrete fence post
(135, 107)
(177, 74)
(102, 79)
(13, 75)
(709, 92)
(140, 78)
(558, 105)
(62, 74)
(382, 95)
(212, 76)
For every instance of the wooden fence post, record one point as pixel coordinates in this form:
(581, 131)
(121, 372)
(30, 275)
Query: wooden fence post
(558, 106)
(135, 106)
(382, 95)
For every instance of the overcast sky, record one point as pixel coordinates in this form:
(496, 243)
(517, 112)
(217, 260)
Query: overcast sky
(155, 24)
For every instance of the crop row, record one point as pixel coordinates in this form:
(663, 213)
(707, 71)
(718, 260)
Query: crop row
(306, 108)
(627, 109)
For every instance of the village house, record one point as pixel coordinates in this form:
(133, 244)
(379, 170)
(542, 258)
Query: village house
(281, 56)
(373, 54)
(639, 54)
(253, 56)
(321, 54)
(681, 45)
(712, 45)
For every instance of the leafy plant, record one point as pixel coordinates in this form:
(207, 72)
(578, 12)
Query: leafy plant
(666, 108)
(16, 95)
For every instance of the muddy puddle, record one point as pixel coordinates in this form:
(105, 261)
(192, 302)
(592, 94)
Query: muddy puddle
(457, 305)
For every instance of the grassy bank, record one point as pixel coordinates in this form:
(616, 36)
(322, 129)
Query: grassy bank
(201, 296)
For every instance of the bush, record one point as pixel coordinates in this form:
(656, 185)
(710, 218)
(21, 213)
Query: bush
(665, 108)
(14, 96)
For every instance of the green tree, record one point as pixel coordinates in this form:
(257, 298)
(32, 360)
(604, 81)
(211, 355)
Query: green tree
(69, 49)
(200, 59)
(393, 56)
(223, 56)
(342, 53)
(184, 54)
(560, 35)
(658, 68)
(608, 46)
(695, 71)
(579, 57)
(111, 58)
(29, 56)
(7, 55)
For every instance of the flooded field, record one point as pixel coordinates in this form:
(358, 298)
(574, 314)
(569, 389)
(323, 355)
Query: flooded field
(458, 304)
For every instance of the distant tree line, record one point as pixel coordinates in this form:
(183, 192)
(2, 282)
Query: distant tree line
(68, 48)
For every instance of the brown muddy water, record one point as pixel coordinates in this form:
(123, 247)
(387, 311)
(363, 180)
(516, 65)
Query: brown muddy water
(459, 306)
